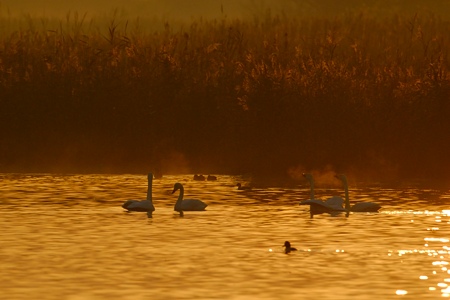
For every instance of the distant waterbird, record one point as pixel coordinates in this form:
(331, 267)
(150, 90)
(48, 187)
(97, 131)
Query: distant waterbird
(199, 177)
(142, 205)
(288, 248)
(211, 178)
(186, 204)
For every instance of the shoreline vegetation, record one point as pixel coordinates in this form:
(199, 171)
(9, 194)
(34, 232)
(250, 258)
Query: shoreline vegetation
(357, 93)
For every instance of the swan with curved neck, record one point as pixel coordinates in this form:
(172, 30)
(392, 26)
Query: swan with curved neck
(142, 205)
(317, 206)
(360, 206)
(186, 204)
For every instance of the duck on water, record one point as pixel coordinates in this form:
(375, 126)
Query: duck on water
(288, 248)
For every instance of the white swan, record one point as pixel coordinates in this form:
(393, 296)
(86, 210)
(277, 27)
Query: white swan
(142, 205)
(317, 206)
(360, 206)
(186, 204)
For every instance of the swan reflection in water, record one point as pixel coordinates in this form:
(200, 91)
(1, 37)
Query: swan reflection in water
(186, 204)
(335, 204)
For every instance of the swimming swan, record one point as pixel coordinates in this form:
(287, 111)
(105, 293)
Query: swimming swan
(288, 248)
(142, 205)
(317, 206)
(186, 204)
(360, 206)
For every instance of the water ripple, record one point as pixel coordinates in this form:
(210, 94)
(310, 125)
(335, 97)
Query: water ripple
(66, 237)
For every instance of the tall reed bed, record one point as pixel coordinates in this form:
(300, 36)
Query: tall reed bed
(357, 92)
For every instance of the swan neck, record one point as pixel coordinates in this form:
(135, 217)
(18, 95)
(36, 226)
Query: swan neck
(311, 182)
(180, 199)
(347, 199)
(149, 188)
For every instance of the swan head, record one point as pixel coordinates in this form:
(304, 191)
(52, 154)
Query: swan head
(177, 186)
(341, 177)
(307, 176)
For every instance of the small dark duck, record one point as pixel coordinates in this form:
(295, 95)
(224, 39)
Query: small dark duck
(288, 248)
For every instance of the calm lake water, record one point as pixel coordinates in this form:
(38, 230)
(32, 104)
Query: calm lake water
(67, 237)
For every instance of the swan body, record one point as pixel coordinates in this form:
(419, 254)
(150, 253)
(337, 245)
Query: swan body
(331, 205)
(317, 206)
(358, 207)
(243, 188)
(142, 205)
(186, 204)
(288, 248)
(365, 207)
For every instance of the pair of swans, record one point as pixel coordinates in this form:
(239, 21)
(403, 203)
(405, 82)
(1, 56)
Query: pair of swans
(335, 204)
(180, 206)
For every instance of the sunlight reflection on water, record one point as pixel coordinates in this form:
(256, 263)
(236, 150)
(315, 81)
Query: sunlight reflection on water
(66, 237)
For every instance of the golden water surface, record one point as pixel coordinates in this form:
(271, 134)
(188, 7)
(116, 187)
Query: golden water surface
(67, 237)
